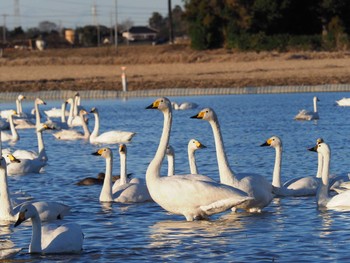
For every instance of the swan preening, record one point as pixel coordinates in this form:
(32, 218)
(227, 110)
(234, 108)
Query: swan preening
(309, 115)
(134, 191)
(339, 201)
(109, 137)
(255, 185)
(176, 193)
(67, 238)
(303, 186)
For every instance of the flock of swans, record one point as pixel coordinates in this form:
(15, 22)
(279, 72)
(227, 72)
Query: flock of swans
(194, 196)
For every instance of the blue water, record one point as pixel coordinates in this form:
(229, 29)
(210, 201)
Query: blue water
(288, 230)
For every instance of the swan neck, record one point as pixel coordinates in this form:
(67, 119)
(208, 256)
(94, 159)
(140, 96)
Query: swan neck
(75, 108)
(5, 207)
(85, 127)
(171, 165)
(14, 132)
(35, 244)
(123, 176)
(63, 113)
(153, 170)
(41, 146)
(226, 174)
(106, 192)
(325, 169)
(319, 165)
(70, 116)
(276, 177)
(315, 105)
(37, 114)
(192, 161)
(18, 107)
(97, 125)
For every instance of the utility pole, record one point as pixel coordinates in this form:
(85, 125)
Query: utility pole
(17, 14)
(94, 15)
(171, 30)
(116, 25)
(4, 29)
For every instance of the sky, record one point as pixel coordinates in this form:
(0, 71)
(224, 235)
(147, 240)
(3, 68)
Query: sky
(76, 13)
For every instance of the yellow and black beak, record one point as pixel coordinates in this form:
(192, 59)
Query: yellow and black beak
(98, 153)
(13, 159)
(200, 145)
(265, 144)
(198, 116)
(122, 148)
(21, 218)
(153, 106)
(313, 149)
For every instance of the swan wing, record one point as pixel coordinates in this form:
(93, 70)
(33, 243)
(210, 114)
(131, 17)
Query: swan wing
(114, 137)
(49, 211)
(25, 166)
(308, 185)
(134, 193)
(25, 154)
(341, 200)
(68, 135)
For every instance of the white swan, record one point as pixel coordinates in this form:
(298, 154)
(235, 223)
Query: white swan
(110, 137)
(341, 200)
(343, 102)
(255, 185)
(73, 121)
(71, 134)
(67, 238)
(184, 105)
(309, 115)
(31, 162)
(13, 137)
(194, 199)
(58, 125)
(304, 186)
(6, 113)
(58, 112)
(25, 122)
(48, 211)
(122, 191)
(193, 146)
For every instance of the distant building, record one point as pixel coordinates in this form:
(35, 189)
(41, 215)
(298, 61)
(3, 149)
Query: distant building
(140, 33)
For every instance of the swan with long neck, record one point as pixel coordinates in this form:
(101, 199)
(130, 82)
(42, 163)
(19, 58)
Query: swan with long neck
(48, 211)
(176, 193)
(122, 191)
(67, 238)
(26, 123)
(70, 134)
(255, 185)
(304, 186)
(73, 120)
(341, 200)
(309, 115)
(110, 137)
(13, 137)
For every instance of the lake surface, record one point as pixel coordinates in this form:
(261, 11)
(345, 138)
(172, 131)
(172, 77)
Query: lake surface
(288, 230)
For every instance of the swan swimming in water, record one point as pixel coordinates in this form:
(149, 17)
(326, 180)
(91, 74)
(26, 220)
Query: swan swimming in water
(122, 191)
(49, 239)
(48, 211)
(303, 186)
(176, 193)
(109, 137)
(255, 185)
(309, 115)
(324, 200)
(13, 137)
(343, 102)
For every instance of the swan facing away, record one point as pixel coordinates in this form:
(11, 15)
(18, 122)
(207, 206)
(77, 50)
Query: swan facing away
(48, 211)
(122, 191)
(110, 137)
(324, 200)
(305, 115)
(343, 102)
(255, 185)
(67, 238)
(303, 186)
(179, 194)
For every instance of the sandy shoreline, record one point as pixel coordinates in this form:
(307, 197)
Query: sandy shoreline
(220, 71)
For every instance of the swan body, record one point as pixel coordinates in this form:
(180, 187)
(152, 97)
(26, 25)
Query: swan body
(58, 112)
(26, 123)
(71, 134)
(255, 185)
(110, 137)
(343, 102)
(324, 200)
(6, 113)
(122, 191)
(184, 105)
(176, 193)
(301, 187)
(13, 137)
(73, 120)
(67, 238)
(309, 115)
(48, 211)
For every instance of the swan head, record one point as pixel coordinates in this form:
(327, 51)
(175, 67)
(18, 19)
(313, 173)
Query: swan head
(83, 112)
(195, 145)
(26, 211)
(40, 101)
(274, 142)
(21, 97)
(41, 127)
(94, 110)
(104, 152)
(161, 104)
(207, 114)
(316, 98)
(319, 140)
(322, 148)
(122, 149)
(70, 101)
(169, 150)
